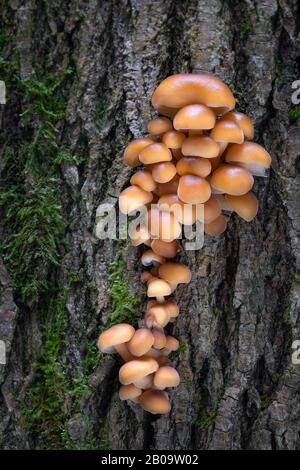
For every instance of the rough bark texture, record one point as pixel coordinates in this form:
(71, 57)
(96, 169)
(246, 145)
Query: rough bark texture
(240, 314)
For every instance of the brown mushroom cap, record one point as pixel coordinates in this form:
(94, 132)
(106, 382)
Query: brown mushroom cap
(155, 153)
(249, 155)
(159, 339)
(193, 189)
(158, 288)
(163, 172)
(145, 382)
(136, 369)
(173, 139)
(175, 273)
(194, 117)
(163, 361)
(133, 149)
(227, 131)
(141, 342)
(200, 146)
(212, 210)
(165, 249)
(193, 166)
(167, 188)
(216, 227)
(223, 202)
(184, 89)
(166, 376)
(149, 257)
(160, 125)
(132, 198)
(172, 344)
(129, 392)
(245, 206)
(144, 180)
(232, 179)
(155, 402)
(157, 316)
(172, 307)
(177, 154)
(113, 339)
(243, 121)
(163, 225)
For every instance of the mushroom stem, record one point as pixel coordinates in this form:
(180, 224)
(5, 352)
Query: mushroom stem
(122, 350)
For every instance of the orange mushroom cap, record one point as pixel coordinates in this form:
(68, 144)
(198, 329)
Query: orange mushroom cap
(163, 172)
(155, 153)
(167, 188)
(141, 342)
(133, 149)
(158, 288)
(245, 206)
(227, 131)
(157, 316)
(186, 214)
(165, 249)
(136, 369)
(129, 392)
(212, 209)
(175, 273)
(194, 166)
(181, 90)
(163, 225)
(232, 179)
(216, 227)
(155, 402)
(159, 339)
(194, 117)
(243, 121)
(200, 146)
(249, 155)
(172, 344)
(160, 125)
(144, 180)
(193, 189)
(173, 139)
(132, 198)
(166, 376)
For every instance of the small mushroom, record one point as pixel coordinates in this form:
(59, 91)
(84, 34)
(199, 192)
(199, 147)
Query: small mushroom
(245, 206)
(149, 258)
(251, 156)
(141, 342)
(200, 146)
(160, 125)
(159, 288)
(155, 153)
(133, 198)
(113, 340)
(193, 189)
(159, 339)
(173, 139)
(137, 369)
(216, 227)
(133, 149)
(155, 402)
(174, 273)
(165, 377)
(165, 249)
(243, 121)
(194, 117)
(232, 179)
(172, 344)
(129, 392)
(194, 166)
(212, 209)
(144, 180)
(186, 214)
(167, 188)
(163, 225)
(145, 382)
(163, 172)
(157, 317)
(227, 131)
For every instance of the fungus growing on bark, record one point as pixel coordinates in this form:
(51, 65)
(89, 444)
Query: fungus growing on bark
(201, 154)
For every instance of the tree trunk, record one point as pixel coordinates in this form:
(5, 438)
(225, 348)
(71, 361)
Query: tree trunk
(240, 314)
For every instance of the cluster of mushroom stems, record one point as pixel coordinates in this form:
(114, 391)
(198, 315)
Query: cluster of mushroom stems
(199, 152)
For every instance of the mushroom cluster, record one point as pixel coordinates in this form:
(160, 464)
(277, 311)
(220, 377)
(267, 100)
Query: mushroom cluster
(199, 153)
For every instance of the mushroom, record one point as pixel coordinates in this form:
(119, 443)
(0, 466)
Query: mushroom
(113, 340)
(173, 139)
(223, 202)
(194, 117)
(167, 188)
(163, 361)
(212, 209)
(245, 206)
(172, 344)
(174, 273)
(163, 225)
(155, 153)
(216, 227)
(232, 179)
(136, 369)
(141, 342)
(144, 180)
(155, 401)
(227, 131)
(145, 382)
(149, 257)
(129, 392)
(193, 189)
(157, 317)
(160, 340)
(158, 288)
(131, 154)
(177, 154)
(251, 156)
(163, 172)
(172, 307)
(160, 125)
(165, 249)
(133, 198)
(200, 146)
(186, 214)
(146, 276)
(165, 377)
(243, 121)
(193, 166)
(184, 89)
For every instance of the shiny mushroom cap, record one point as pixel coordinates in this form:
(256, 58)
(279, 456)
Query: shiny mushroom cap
(114, 336)
(158, 288)
(149, 257)
(167, 188)
(200, 146)
(251, 156)
(227, 131)
(193, 189)
(144, 180)
(133, 149)
(165, 377)
(136, 369)
(155, 153)
(155, 402)
(245, 206)
(157, 316)
(175, 273)
(160, 125)
(181, 90)
(173, 139)
(232, 179)
(165, 249)
(172, 344)
(163, 172)
(216, 227)
(129, 392)
(133, 198)
(163, 225)
(212, 209)
(193, 166)
(194, 117)
(243, 121)
(141, 342)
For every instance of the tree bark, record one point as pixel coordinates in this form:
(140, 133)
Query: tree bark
(240, 314)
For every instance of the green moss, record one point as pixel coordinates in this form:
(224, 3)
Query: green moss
(294, 114)
(182, 347)
(104, 443)
(205, 416)
(265, 402)
(246, 28)
(275, 378)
